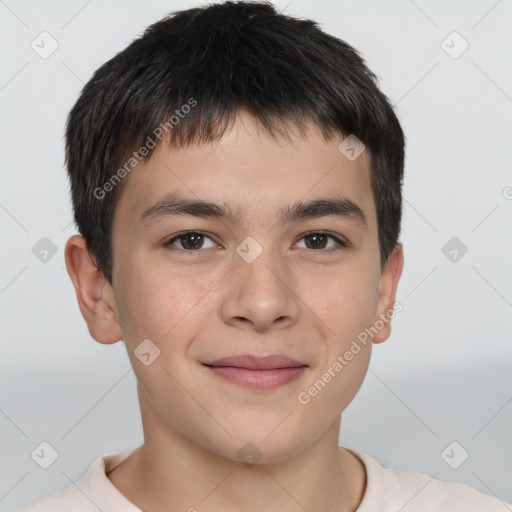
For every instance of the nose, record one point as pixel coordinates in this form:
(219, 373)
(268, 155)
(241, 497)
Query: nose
(260, 295)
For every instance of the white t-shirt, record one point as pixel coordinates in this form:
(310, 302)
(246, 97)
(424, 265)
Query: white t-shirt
(387, 490)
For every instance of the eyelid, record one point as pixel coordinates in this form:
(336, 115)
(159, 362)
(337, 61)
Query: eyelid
(170, 241)
(340, 241)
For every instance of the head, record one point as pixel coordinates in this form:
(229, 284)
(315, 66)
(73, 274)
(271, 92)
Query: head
(231, 122)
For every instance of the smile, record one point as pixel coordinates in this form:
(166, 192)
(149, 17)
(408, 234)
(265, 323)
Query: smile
(258, 379)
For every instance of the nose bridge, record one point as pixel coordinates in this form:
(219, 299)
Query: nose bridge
(261, 270)
(265, 274)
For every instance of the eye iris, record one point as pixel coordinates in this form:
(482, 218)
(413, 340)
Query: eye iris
(195, 238)
(316, 244)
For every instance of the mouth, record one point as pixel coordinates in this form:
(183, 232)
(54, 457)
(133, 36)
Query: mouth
(257, 373)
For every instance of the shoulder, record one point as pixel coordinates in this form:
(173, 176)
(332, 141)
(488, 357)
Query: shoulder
(427, 493)
(413, 491)
(70, 499)
(91, 493)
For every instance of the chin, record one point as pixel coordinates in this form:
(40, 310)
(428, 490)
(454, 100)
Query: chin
(251, 444)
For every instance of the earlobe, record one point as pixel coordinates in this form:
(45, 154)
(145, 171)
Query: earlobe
(387, 293)
(92, 289)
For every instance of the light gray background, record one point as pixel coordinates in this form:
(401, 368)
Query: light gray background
(443, 376)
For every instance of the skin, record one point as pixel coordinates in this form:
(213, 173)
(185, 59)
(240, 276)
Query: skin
(294, 299)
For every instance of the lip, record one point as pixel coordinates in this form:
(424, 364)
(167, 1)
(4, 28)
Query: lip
(257, 373)
(251, 362)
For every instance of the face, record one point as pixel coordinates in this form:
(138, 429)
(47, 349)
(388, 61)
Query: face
(269, 280)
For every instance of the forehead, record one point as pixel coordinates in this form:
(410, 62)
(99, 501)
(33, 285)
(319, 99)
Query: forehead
(251, 173)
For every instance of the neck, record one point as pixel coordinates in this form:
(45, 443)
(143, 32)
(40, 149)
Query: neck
(171, 472)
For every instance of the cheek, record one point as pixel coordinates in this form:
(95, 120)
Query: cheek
(158, 300)
(346, 310)
(164, 306)
(346, 303)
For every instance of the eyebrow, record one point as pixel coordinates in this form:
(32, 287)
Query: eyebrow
(172, 204)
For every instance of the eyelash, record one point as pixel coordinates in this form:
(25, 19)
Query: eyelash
(340, 243)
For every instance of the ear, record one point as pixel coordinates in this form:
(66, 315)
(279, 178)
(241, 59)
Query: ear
(388, 284)
(94, 294)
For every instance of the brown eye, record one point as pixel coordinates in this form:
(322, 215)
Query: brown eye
(319, 241)
(316, 241)
(190, 241)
